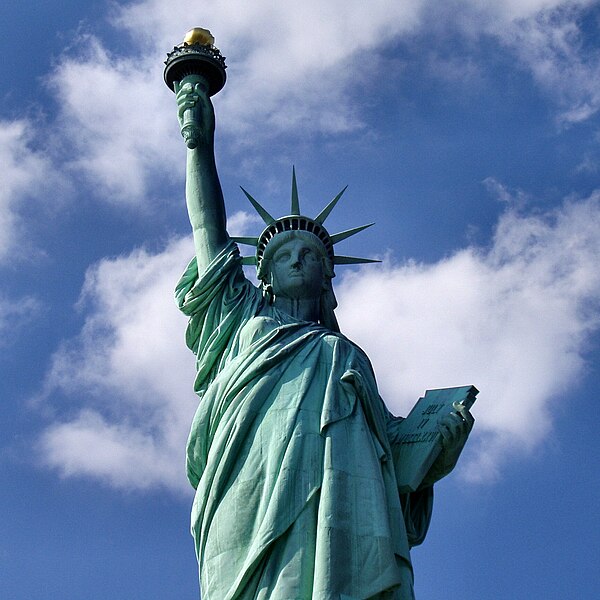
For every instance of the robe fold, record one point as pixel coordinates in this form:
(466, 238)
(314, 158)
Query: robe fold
(290, 454)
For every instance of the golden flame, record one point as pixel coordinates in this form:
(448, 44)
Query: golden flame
(198, 35)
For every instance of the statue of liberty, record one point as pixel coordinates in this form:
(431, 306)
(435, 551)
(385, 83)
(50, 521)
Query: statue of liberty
(291, 450)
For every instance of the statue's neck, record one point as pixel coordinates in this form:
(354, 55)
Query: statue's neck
(303, 309)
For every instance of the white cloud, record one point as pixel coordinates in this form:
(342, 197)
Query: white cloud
(121, 455)
(513, 320)
(14, 313)
(241, 222)
(129, 372)
(292, 67)
(514, 198)
(120, 121)
(549, 40)
(289, 64)
(28, 176)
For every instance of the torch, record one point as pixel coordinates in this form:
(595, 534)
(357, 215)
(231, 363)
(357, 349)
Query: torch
(195, 61)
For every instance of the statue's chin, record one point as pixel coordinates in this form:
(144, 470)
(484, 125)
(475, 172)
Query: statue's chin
(297, 293)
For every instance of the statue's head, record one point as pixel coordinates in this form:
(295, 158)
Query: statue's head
(295, 256)
(296, 251)
(296, 265)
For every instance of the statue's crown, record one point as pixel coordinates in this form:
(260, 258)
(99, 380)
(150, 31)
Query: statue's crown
(297, 222)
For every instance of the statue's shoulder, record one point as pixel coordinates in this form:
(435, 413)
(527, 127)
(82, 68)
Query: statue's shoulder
(256, 328)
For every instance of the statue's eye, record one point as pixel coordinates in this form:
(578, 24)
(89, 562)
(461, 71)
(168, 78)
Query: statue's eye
(282, 256)
(309, 254)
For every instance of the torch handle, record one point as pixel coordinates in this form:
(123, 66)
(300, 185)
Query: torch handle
(191, 117)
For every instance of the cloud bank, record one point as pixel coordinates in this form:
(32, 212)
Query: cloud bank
(514, 319)
(29, 181)
(550, 42)
(14, 314)
(116, 122)
(293, 68)
(128, 373)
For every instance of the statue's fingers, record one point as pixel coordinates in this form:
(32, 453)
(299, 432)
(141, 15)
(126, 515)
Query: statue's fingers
(458, 427)
(185, 104)
(183, 107)
(186, 91)
(464, 426)
(446, 433)
(182, 90)
(465, 414)
(454, 419)
(190, 101)
(177, 87)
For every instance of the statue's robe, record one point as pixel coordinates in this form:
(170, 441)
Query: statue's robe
(291, 454)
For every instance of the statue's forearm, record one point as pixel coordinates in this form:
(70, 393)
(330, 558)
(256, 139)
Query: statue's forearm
(205, 204)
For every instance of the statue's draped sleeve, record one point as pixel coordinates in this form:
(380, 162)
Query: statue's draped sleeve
(217, 301)
(417, 506)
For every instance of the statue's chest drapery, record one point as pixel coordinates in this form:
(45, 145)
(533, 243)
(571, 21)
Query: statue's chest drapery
(293, 366)
(283, 422)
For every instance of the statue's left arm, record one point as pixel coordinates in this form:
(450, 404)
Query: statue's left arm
(417, 506)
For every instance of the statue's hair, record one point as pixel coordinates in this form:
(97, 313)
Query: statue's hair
(327, 301)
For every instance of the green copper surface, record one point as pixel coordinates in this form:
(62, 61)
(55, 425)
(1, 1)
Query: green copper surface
(295, 208)
(320, 218)
(266, 217)
(293, 454)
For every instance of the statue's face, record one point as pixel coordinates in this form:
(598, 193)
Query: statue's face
(297, 270)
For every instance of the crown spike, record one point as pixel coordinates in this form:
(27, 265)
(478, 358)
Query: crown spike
(320, 218)
(265, 216)
(249, 241)
(295, 201)
(249, 261)
(338, 237)
(352, 260)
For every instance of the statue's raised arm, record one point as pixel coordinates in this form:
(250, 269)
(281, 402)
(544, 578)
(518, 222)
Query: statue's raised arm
(203, 193)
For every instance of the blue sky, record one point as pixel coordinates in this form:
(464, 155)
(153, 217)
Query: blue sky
(469, 132)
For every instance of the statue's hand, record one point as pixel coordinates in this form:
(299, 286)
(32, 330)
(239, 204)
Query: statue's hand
(195, 110)
(187, 93)
(454, 429)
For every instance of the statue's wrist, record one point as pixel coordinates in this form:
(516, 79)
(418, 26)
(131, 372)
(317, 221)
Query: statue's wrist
(196, 137)
(202, 154)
